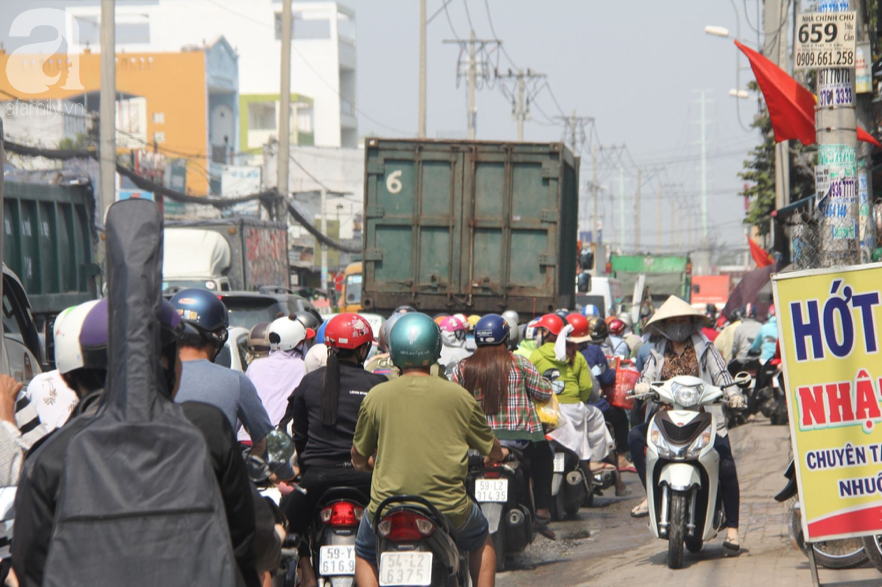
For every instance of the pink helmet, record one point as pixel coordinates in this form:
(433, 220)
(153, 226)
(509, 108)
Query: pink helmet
(772, 310)
(452, 324)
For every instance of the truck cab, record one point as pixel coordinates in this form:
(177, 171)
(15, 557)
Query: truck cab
(350, 298)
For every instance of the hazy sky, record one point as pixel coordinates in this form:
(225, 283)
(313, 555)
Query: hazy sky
(634, 65)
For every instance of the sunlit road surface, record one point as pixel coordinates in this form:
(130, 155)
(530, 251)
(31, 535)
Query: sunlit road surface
(605, 546)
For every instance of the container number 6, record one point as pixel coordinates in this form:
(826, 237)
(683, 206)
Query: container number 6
(393, 184)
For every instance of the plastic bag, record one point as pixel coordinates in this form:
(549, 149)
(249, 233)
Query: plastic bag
(549, 412)
(626, 378)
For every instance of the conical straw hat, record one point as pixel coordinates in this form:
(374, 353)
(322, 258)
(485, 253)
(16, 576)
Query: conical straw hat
(673, 308)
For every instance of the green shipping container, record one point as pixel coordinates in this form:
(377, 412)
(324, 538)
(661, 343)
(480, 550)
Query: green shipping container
(473, 227)
(48, 244)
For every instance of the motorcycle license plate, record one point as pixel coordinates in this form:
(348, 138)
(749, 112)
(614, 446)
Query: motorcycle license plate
(405, 568)
(489, 490)
(775, 383)
(336, 560)
(560, 462)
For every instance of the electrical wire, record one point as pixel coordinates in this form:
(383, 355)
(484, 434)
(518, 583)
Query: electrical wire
(773, 32)
(450, 21)
(468, 15)
(495, 36)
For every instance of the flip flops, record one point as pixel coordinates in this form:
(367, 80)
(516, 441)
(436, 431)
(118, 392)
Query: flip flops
(641, 511)
(628, 469)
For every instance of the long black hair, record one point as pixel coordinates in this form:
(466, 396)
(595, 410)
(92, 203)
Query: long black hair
(331, 384)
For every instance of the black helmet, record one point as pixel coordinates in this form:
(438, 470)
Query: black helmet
(563, 313)
(404, 310)
(599, 330)
(308, 320)
(204, 311)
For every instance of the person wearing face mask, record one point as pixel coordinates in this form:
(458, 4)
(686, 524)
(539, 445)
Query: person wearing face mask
(453, 340)
(681, 349)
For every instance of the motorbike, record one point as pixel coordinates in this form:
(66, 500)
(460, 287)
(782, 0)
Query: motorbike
(572, 485)
(503, 493)
(682, 467)
(771, 393)
(332, 535)
(751, 366)
(832, 554)
(415, 546)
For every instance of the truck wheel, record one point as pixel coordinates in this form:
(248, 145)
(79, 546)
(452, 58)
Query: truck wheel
(677, 531)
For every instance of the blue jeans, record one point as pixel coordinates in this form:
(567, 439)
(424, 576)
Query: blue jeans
(469, 537)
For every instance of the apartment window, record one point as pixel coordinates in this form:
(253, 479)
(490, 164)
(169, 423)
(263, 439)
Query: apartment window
(261, 116)
(304, 120)
(135, 29)
(89, 30)
(128, 33)
(305, 27)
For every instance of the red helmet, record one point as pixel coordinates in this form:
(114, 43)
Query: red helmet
(617, 327)
(348, 331)
(550, 322)
(580, 324)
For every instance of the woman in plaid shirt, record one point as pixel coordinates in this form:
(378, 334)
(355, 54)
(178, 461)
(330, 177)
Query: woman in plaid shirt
(506, 386)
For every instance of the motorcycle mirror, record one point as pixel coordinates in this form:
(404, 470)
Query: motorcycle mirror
(279, 449)
(743, 380)
(551, 374)
(257, 469)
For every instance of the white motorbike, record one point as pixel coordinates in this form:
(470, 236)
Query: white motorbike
(682, 467)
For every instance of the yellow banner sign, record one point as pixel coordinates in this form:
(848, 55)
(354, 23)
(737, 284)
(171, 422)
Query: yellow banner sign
(829, 325)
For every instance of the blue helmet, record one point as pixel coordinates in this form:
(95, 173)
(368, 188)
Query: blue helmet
(204, 311)
(320, 333)
(590, 311)
(492, 329)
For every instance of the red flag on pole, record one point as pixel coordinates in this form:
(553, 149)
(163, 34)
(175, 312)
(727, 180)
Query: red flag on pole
(760, 256)
(791, 106)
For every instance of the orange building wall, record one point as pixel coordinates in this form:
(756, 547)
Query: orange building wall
(172, 83)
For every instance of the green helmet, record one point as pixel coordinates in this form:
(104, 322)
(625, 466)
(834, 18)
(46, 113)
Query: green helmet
(415, 341)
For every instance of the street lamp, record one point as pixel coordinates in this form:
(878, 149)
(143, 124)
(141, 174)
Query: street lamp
(740, 94)
(717, 31)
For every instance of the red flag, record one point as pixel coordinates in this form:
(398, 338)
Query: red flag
(760, 256)
(791, 106)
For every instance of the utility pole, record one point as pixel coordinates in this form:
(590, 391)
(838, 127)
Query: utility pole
(473, 46)
(837, 141)
(422, 111)
(775, 49)
(526, 90)
(473, 71)
(621, 208)
(864, 115)
(285, 119)
(324, 193)
(575, 127)
(658, 218)
(703, 168)
(107, 154)
(637, 211)
(595, 227)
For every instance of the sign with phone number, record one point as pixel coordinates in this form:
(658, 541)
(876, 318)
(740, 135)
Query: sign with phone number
(825, 39)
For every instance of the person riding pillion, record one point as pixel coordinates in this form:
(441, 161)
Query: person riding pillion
(421, 428)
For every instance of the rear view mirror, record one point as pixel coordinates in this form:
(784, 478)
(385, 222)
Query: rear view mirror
(586, 260)
(279, 449)
(584, 283)
(743, 380)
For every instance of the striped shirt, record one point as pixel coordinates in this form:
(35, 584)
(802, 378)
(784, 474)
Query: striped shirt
(517, 420)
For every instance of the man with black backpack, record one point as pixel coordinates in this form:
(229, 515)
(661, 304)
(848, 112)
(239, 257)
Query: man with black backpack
(142, 492)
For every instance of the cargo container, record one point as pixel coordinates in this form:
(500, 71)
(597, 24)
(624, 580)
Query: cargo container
(231, 254)
(711, 289)
(49, 245)
(666, 275)
(475, 227)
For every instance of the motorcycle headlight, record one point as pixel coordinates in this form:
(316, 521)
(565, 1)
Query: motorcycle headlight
(687, 396)
(659, 442)
(699, 443)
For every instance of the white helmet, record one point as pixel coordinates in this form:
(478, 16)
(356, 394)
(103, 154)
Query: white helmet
(316, 358)
(68, 324)
(285, 334)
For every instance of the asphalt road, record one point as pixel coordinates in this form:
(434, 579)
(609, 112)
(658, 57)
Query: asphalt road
(605, 546)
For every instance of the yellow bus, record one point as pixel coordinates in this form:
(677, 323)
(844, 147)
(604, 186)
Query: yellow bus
(350, 298)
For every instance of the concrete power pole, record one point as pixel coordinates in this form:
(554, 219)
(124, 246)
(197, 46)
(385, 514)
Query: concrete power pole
(621, 208)
(837, 141)
(637, 211)
(422, 111)
(775, 49)
(473, 72)
(521, 104)
(595, 227)
(658, 218)
(285, 117)
(107, 169)
(703, 168)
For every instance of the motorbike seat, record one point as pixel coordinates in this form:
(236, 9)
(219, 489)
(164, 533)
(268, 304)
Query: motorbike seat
(339, 493)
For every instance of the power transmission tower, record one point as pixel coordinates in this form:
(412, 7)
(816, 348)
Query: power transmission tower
(477, 66)
(637, 211)
(574, 130)
(527, 87)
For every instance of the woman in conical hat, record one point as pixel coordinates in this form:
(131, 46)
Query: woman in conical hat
(681, 349)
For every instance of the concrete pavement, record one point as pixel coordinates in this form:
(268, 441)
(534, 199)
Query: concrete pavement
(605, 546)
